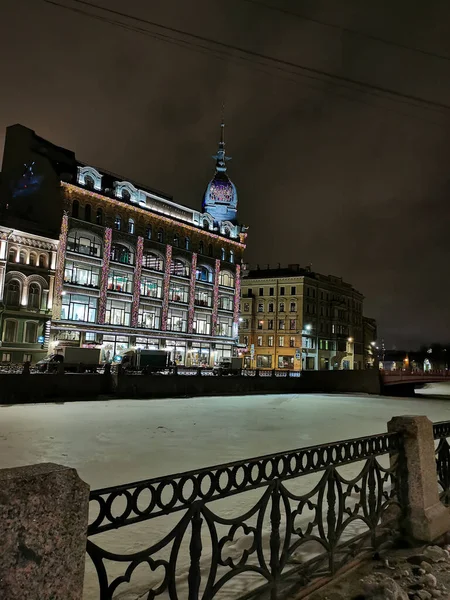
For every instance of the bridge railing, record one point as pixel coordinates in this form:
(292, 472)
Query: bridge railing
(240, 529)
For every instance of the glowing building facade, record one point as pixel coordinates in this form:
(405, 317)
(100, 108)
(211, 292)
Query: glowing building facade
(133, 268)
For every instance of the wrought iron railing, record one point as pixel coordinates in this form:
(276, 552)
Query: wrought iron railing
(441, 432)
(306, 513)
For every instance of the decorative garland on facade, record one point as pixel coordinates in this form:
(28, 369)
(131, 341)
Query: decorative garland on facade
(60, 261)
(192, 292)
(165, 304)
(75, 189)
(237, 297)
(107, 244)
(215, 297)
(137, 281)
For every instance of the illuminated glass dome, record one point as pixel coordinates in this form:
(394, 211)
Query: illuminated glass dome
(220, 199)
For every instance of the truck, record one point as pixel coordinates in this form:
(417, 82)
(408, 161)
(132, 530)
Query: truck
(229, 366)
(73, 359)
(140, 359)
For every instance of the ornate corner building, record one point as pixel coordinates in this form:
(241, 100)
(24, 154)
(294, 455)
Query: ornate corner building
(93, 260)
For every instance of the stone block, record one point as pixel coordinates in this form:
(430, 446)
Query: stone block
(43, 523)
(426, 518)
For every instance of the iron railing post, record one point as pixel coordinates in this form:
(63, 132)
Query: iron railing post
(195, 552)
(275, 520)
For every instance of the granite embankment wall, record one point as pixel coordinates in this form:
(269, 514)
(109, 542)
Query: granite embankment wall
(41, 388)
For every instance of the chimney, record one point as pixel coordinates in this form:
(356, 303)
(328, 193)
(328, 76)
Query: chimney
(294, 267)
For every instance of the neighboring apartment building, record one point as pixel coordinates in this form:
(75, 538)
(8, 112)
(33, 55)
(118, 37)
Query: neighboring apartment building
(370, 346)
(293, 318)
(133, 268)
(27, 273)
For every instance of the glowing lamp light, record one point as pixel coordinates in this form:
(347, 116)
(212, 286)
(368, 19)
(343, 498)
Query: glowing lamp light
(372, 343)
(308, 327)
(240, 319)
(350, 339)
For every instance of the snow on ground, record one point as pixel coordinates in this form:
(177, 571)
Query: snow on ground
(120, 441)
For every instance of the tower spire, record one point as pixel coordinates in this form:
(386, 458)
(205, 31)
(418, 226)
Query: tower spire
(220, 157)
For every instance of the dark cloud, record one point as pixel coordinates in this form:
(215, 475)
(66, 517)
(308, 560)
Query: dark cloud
(356, 184)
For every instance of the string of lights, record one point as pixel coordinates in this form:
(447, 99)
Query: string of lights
(73, 189)
(192, 281)
(166, 286)
(60, 260)
(107, 245)
(237, 298)
(215, 310)
(137, 281)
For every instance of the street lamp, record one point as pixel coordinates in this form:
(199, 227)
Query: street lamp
(308, 327)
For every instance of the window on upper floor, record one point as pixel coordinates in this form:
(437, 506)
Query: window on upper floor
(160, 236)
(34, 296)
(281, 291)
(131, 226)
(10, 330)
(118, 222)
(87, 213)
(150, 260)
(122, 254)
(13, 291)
(226, 278)
(31, 329)
(99, 217)
(204, 274)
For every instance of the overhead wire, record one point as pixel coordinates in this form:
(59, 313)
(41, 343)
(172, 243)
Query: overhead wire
(222, 52)
(347, 30)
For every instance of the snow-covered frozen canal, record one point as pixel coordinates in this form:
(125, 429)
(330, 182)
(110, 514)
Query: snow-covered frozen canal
(120, 441)
(112, 442)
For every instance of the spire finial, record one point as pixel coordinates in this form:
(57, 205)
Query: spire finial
(220, 157)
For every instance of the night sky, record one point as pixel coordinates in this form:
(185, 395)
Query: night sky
(355, 184)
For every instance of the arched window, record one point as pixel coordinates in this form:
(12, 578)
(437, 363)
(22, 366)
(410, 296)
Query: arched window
(87, 211)
(222, 253)
(13, 289)
(187, 243)
(150, 260)
(176, 240)
(270, 307)
(99, 217)
(121, 254)
(148, 232)
(206, 223)
(12, 255)
(126, 196)
(75, 209)
(226, 278)
(33, 260)
(130, 225)
(180, 268)
(204, 274)
(210, 250)
(89, 183)
(118, 222)
(31, 332)
(201, 248)
(23, 257)
(34, 296)
(10, 330)
(160, 236)
(231, 256)
(43, 261)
